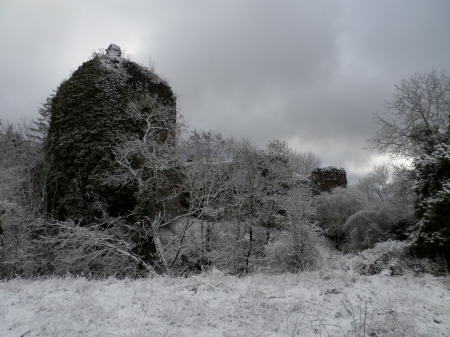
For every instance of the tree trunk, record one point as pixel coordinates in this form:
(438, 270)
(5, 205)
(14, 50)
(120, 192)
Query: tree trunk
(249, 250)
(157, 240)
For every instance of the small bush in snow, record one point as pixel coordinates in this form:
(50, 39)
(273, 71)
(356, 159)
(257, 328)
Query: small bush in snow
(389, 258)
(334, 209)
(366, 228)
(294, 250)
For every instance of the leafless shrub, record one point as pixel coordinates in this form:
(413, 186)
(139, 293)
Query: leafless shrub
(295, 250)
(303, 163)
(389, 258)
(366, 228)
(333, 210)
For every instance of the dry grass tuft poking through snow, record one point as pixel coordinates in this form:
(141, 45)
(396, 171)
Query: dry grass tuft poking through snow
(322, 303)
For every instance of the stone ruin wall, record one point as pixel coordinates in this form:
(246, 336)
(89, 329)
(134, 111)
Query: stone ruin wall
(328, 178)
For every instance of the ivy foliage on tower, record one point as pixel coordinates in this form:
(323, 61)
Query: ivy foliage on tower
(88, 120)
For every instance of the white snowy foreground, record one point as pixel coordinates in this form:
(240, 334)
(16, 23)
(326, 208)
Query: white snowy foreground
(323, 303)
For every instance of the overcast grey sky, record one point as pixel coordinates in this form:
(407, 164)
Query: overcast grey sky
(308, 72)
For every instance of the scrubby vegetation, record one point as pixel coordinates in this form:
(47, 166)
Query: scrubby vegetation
(328, 302)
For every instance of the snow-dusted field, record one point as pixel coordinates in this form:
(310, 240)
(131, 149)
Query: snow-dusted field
(323, 303)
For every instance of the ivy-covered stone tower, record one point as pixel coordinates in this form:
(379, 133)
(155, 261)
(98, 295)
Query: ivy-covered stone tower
(87, 118)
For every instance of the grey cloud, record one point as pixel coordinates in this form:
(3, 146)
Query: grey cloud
(309, 72)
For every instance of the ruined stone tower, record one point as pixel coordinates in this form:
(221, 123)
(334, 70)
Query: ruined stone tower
(88, 118)
(328, 178)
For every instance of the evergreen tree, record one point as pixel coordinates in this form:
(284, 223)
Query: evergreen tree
(433, 204)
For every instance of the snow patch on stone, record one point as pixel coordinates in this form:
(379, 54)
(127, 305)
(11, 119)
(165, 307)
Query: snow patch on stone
(113, 51)
(113, 60)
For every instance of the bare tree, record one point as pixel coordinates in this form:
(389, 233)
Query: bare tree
(401, 187)
(419, 117)
(420, 130)
(150, 160)
(375, 185)
(204, 187)
(303, 163)
(20, 199)
(259, 181)
(236, 192)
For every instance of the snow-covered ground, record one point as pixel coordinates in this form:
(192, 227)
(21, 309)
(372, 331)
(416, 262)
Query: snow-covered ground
(323, 303)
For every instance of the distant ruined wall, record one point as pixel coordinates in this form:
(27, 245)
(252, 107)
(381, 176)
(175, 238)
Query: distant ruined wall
(328, 178)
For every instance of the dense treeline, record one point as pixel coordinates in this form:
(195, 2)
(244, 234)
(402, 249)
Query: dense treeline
(232, 208)
(201, 201)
